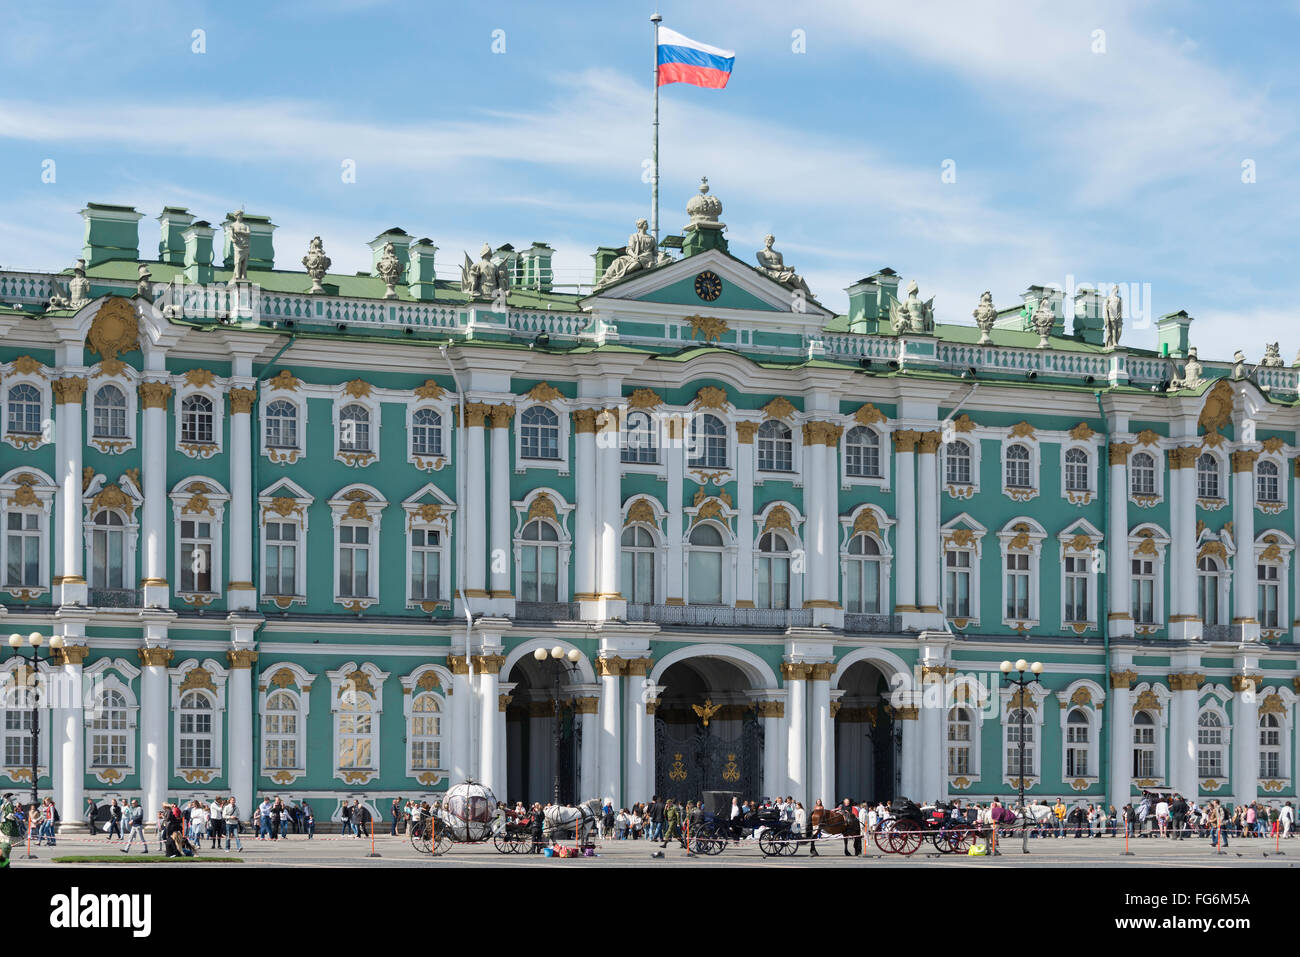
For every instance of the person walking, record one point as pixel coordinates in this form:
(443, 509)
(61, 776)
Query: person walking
(115, 821)
(397, 815)
(135, 823)
(852, 828)
(1287, 817)
(1178, 815)
(91, 810)
(1217, 822)
(230, 822)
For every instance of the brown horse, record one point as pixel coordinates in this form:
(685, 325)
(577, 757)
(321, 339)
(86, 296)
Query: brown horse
(834, 821)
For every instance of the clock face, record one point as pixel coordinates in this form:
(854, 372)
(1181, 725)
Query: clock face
(708, 285)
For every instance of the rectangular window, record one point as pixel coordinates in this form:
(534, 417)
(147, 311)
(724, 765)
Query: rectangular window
(281, 558)
(1268, 595)
(1144, 592)
(23, 551)
(958, 583)
(958, 761)
(1076, 589)
(196, 556)
(354, 561)
(426, 564)
(1017, 586)
(1268, 764)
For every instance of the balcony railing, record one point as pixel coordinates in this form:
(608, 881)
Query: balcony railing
(546, 610)
(721, 616)
(870, 624)
(114, 598)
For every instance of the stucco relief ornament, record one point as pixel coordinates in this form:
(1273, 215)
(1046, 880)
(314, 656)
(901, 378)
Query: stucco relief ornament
(240, 241)
(482, 279)
(389, 268)
(640, 254)
(772, 264)
(1114, 318)
(1191, 377)
(1272, 356)
(1043, 319)
(78, 291)
(984, 315)
(912, 315)
(317, 264)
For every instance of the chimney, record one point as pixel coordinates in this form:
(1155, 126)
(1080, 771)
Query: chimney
(869, 300)
(533, 267)
(261, 252)
(401, 241)
(1090, 317)
(171, 244)
(419, 273)
(112, 233)
(1031, 296)
(198, 252)
(1172, 333)
(604, 255)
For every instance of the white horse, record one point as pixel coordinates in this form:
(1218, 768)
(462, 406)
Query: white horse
(581, 819)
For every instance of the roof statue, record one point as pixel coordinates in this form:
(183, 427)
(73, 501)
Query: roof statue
(1043, 319)
(316, 263)
(240, 239)
(143, 283)
(640, 254)
(1191, 377)
(984, 315)
(1272, 355)
(1239, 365)
(772, 264)
(912, 315)
(389, 269)
(483, 279)
(1114, 318)
(78, 292)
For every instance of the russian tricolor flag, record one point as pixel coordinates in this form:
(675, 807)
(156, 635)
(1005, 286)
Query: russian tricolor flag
(683, 60)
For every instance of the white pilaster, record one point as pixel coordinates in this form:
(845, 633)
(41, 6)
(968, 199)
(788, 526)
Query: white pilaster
(475, 510)
(1184, 617)
(242, 589)
(153, 530)
(1119, 714)
(609, 525)
(240, 717)
(585, 588)
(910, 778)
(68, 741)
(69, 582)
(927, 540)
(905, 497)
(771, 711)
(1245, 736)
(1245, 598)
(814, 538)
(744, 514)
(795, 721)
(834, 614)
(675, 465)
(639, 738)
(1184, 685)
(821, 755)
(489, 719)
(501, 554)
(611, 732)
(589, 780)
(1117, 566)
(461, 762)
(154, 737)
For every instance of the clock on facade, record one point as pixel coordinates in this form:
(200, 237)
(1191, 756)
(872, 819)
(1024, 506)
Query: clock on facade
(708, 285)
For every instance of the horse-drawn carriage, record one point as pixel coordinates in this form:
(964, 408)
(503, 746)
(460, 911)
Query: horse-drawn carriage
(909, 827)
(469, 815)
(775, 836)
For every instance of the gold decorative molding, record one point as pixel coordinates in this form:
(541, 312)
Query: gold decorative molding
(868, 414)
(866, 522)
(708, 328)
(26, 365)
(584, 421)
(476, 414)
(1186, 681)
(929, 442)
(358, 389)
(1217, 410)
(779, 408)
(1183, 457)
(771, 709)
(1082, 432)
(284, 380)
(1273, 445)
(1022, 698)
(544, 392)
(69, 390)
(241, 401)
(961, 538)
(963, 423)
(905, 440)
(155, 657)
(644, 399)
(711, 397)
(795, 670)
(457, 664)
(745, 432)
(641, 511)
(1247, 682)
(779, 518)
(283, 506)
(198, 677)
(500, 415)
(1119, 453)
(241, 658)
(199, 378)
(1273, 704)
(1147, 700)
(542, 507)
(356, 681)
(610, 666)
(1243, 460)
(154, 395)
(114, 329)
(1022, 430)
(489, 664)
(430, 390)
(822, 433)
(111, 496)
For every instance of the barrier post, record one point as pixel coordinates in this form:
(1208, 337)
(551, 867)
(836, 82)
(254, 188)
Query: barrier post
(1218, 849)
(993, 838)
(1278, 832)
(31, 823)
(373, 852)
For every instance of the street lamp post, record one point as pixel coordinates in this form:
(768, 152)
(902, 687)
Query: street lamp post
(1035, 669)
(34, 641)
(561, 665)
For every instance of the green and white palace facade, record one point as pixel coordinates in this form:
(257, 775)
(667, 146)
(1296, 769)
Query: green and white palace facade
(304, 533)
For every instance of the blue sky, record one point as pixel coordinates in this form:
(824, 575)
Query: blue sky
(1116, 166)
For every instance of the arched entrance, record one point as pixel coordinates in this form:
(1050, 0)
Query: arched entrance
(533, 756)
(868, 742)
(707, 733)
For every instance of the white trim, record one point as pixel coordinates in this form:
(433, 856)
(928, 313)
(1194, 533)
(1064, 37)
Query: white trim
(217, 697)
(374, 406)
(1160, 539)
(301, 692)
(1156, 497)
(112, 775)
(886, 561)
(953, 490)
(1286, 545)
(1221, 461)
(8, 685)
(1065, 539)
(1015, 527)
(341, 684)
(886, 457)
(1277, 459)
(126, 383)
(214, 392)
(1031, 443)
(444, 524)
(1161, 725)
(564, 542)
(285, 488)
(44, 489)
(1093, 712)
(446, 409)
(217, 497)
(560, 409)
(268, 394)
(1038, 694)
(130, 530)
(39, 379)
(976, 551)
(343, 504)
(1090, 448)
(797, 555)
(411, 689)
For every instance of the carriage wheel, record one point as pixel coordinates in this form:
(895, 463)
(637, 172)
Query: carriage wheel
(961, 839)
(941, 839)
(786, 843)
(771, 845)
(908, 837)
(420, 839)
(441, 840)
(882, 838)
(503, 842)
(522, 844)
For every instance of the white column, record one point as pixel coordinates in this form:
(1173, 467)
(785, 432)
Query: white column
(488, 668)
(154, 737)
(1184, 617)
(1245, 737)
(831, 496)
(744, 513)
(584, 516)
(611, 732)
(1244, 582)
(822, 752)
(460, 718)
(69, 581)
(905, 554)
(927, 548)
(589, 779)
(1119, 712)
(638, 731)
(240, 716)
(794, 675)
(675, 465)
(910, 778)
(153, 529)
(1294, 617)
(815, 510)
(500, 556)
(772, 713)
(1182, 733)
(1117, 563)
(70, 739)
(475, 507)
(609, 525)
(241, 587)
(933, 781)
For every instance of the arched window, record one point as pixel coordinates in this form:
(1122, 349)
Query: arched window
(280, 731)
(1144, 745)
(957, 462)
(1076, 470)
(1014, 731)
(539, 433)
(539, 573)
(18, 726)
(863, 562)
(197, 420)
(426, 564)
(425, 733)
(1267, 488)
(196, 737)
(708, 442)
(107, 550)
(1209, 745)
(282, 425)
(1077, 731)
(1270, 746)
(862, 452)
(638, 558)
(640, 441)
(356, 734)
(775, 447)
(354, 560)
(772, 585)
(1018, 467)
(354, 428)
(960, 734)
(1270, 588)
(1207, 590)
(1143, 474)
(1207, 476)
(108, 731)
(24, 409)
(426, 432)
(110, 413)
(705, 564)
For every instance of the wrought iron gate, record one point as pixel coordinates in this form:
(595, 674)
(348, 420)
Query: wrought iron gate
(690, 759)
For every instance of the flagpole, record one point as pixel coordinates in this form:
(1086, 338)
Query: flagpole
(654, 160)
